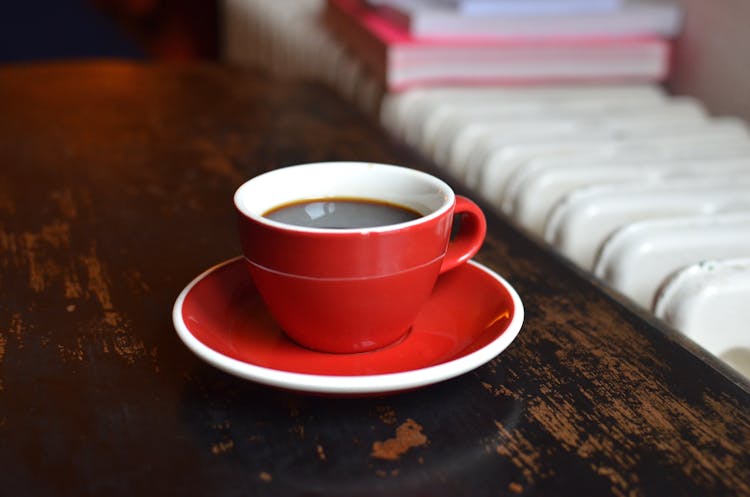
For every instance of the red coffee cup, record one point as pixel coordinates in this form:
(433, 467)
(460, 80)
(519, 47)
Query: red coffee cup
(353, 289)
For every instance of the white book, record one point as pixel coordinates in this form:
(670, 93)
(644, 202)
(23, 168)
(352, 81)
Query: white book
(481, 7)
(428, 19)
(516, 7)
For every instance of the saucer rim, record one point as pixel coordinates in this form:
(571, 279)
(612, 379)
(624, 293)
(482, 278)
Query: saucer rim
(345, 384)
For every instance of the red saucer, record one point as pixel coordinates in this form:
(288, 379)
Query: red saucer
(472, 315)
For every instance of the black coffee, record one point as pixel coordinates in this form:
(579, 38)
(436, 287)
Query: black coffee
(341, 213)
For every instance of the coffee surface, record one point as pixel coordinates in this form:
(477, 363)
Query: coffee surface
(341, 213)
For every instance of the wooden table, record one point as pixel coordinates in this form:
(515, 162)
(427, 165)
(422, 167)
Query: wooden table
(116, 191)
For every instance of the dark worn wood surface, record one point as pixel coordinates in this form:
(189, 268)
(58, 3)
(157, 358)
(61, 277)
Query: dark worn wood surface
(115, 192)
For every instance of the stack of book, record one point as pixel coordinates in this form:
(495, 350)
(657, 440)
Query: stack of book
(411, 43)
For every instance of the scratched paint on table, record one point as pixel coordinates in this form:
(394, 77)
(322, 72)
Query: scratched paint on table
(265, 476)
(519, 450)
(111, 332)
(221, 447)
(635, 411)
(14, 331)
(3, 341)
(321, 452)
(43, 271)
(82, 277)
(226, 443)
(386, 414)
(408, 435)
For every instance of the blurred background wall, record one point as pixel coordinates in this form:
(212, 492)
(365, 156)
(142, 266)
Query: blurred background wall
(61, 29)
(712, 57)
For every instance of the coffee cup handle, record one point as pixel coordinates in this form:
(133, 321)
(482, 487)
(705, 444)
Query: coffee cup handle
(470, 236)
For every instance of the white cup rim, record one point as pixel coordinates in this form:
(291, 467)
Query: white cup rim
(434, 187)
